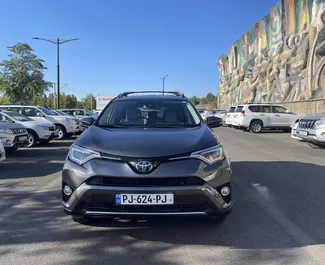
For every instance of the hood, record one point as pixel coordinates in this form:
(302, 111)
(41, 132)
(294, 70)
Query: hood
(54, 118)
(9, 125)
(315, 116)
(147, 142)
(37, 123)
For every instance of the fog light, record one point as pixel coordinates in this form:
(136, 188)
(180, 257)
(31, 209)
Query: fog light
(67, 190)
(225, 191)
(8, 142)
(323, 134)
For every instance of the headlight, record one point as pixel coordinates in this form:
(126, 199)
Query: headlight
(6, 131)
(210, 155)
(44, 127)
(319, 123)
(81, 155)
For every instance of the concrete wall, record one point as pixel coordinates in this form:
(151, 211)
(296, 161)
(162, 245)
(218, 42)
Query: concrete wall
(306, 106)
(282, 59)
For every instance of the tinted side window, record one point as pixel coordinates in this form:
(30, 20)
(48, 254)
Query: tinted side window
(31, 112)
(279, 109)
(253, 108)
(239, 109)
(265, 109)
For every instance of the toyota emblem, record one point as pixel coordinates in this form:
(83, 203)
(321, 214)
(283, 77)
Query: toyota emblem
(143, 166)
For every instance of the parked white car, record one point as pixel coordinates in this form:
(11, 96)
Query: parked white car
(65, 125)
(312, 129)
(38, 131)
(230, 116)
(255, 117)
(13, 135)
(2, 152)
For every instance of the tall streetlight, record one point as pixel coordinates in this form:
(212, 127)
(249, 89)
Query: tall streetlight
(163, 80)
(57, 43)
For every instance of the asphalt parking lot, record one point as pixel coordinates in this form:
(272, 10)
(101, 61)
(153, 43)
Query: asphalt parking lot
(278, 215)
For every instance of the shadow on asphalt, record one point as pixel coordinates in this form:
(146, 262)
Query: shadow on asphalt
(42, 221)
(35, 162)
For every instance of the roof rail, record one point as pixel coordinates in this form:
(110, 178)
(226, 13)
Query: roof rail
(125, 94)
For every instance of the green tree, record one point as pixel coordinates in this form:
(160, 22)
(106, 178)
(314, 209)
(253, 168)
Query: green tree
(210, 98)
(195, 100)
(89, 102)
(21, 76)
(71, 102)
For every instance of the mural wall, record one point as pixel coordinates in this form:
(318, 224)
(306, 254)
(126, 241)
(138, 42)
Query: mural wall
(281, 59)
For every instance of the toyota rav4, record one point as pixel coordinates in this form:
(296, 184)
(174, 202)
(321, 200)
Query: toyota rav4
(148, 154)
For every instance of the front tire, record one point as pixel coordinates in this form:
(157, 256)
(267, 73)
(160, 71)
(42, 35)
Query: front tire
(62, 132)
(31, 140)
(256, 127)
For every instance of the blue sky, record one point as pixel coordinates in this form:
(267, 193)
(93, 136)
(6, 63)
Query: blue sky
(128, 44)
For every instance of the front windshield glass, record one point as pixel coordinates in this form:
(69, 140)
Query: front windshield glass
(47, 111)
(18, 117)
(62, 113)
(150, 113)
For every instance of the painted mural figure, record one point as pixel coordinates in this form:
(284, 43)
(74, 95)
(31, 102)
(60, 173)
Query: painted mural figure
(282, 59)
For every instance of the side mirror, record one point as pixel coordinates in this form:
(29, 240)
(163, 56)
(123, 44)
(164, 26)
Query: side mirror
(38, 114)
(214, 122)
(88, 121)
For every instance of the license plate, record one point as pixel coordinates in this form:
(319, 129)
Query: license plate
(23, 138)
(303, 133)
(144, 199)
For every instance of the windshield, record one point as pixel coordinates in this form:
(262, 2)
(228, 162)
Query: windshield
(18, 117)
(62, 113)
(149, 113)
(47, 111)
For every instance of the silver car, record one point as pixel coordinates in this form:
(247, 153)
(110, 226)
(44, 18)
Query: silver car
(312, 129)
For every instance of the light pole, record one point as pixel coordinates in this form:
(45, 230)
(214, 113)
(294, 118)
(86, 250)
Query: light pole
(57, 43)
(163, 80)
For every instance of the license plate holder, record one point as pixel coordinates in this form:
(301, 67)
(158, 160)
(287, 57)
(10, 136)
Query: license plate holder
(22, 138)
(303, 133)
(144, 199)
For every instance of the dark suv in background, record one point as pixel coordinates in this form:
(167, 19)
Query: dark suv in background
(147, 155)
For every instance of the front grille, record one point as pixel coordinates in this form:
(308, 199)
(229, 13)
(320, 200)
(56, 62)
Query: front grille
(307, 124)
(18, 130)
(145, 182)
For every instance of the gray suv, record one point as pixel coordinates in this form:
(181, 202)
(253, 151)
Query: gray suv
(148, 155)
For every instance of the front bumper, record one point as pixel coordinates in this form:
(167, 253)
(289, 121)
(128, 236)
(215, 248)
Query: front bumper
(311, 135)
(15, 141)
(99, 200)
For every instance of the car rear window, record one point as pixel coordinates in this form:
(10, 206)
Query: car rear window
(253, 108)
(239, 109)
(232, 109)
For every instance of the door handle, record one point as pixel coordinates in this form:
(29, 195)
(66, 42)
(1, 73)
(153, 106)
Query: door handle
(277, 115)
(262, 115)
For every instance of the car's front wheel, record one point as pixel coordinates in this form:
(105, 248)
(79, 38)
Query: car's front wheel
(61, 131)
(31, 140)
